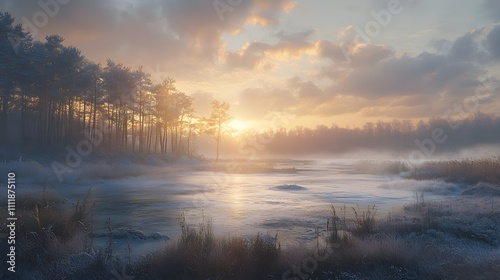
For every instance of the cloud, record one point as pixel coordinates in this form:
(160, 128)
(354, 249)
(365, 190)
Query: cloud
(305, 89)
(257, 103)
(493, 42)
(379, 82)
(267, 12)
(297, 97)
(378, 72)
(426, 74)
(358, 55)
(182, 35)
(333, 51)
(440, 45)
(464, 47)
(256, 54)
(249, 56)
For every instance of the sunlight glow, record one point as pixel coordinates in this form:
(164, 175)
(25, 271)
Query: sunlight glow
(238, 125)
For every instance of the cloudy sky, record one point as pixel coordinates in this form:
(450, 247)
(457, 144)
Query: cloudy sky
(312, 61)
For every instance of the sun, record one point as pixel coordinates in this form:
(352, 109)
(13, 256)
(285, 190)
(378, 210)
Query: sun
(238, 126)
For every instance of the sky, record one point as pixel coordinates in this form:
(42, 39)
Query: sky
(290, 63)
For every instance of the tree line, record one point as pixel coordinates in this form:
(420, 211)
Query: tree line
(390, 136)
(50, 94)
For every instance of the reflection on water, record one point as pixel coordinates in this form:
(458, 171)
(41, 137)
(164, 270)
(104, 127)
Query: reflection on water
(236, 204)
(291, 203)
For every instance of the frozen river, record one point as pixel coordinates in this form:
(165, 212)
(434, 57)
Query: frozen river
(291, 203)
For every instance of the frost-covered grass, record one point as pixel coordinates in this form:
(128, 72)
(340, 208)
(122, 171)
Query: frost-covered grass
(456, 238)
(52, 241)
(198, 254)
(365, 222)
(468, 171)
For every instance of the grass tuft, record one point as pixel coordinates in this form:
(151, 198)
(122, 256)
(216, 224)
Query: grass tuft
(364, 223)
(200, 255)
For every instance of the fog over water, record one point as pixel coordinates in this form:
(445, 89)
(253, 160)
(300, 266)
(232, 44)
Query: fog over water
(293, 203)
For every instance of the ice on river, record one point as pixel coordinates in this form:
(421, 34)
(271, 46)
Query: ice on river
(291, 203)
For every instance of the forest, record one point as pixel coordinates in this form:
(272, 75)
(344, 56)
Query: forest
(51, 95)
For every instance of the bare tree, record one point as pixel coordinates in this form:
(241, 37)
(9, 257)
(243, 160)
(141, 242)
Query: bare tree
(216, 124)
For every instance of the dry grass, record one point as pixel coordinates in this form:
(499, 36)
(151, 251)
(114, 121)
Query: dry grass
(468, 171)
(336, 227)
(459, 171)
(53, 242)
(199, 255)
(364, 220)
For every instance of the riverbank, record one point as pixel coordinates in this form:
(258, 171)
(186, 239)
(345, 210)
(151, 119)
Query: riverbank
(455, 238)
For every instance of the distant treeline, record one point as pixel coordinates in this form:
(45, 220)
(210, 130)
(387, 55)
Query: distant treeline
(434, 136)
(51, 95)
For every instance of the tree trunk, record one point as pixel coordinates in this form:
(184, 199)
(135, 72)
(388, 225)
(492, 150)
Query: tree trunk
(3, 118)
(218, 141)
